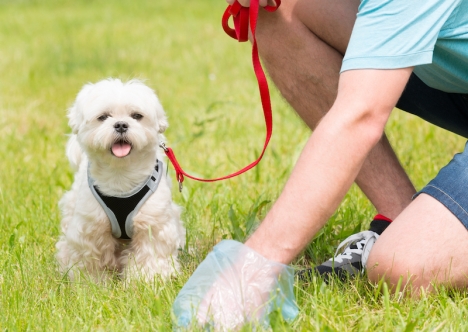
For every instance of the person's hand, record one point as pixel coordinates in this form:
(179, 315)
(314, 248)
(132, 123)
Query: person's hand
(246, 3)
(234, 286)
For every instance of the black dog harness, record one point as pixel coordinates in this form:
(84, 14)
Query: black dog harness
(122, 209)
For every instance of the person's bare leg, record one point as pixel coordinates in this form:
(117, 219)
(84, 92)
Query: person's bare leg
(302, 46)
(425, 244)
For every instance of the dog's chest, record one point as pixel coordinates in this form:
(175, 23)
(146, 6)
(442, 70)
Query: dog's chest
(121, 210)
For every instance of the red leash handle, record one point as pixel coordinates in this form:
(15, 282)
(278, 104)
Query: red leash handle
(243, 18)
(240, 16)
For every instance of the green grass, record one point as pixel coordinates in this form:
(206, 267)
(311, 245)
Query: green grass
(50, 48)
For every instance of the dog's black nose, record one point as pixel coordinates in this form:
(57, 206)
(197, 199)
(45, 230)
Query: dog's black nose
(121, 126)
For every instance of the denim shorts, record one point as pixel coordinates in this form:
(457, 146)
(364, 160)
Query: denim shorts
(448, 111)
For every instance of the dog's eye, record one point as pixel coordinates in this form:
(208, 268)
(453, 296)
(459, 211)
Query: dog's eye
(137, 116)
(103, 117)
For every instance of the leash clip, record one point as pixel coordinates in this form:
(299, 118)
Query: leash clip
(180, 186)
(170, 155)
(163, 146)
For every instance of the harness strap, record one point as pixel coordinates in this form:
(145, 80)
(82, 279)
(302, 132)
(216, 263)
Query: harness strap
(242, 16)
(121, 209)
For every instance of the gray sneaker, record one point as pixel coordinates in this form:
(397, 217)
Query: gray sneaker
(351, 255)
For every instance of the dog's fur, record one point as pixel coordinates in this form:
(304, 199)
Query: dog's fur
(87, 244)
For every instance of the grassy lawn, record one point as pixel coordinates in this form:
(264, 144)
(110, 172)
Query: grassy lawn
(50, 48)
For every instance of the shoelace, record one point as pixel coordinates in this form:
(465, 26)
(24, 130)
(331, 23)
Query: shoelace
(363, 241)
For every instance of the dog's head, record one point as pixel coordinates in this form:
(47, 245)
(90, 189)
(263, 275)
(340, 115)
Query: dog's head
(113, 119)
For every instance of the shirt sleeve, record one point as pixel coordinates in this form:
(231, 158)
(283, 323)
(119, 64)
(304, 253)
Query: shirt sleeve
(391, 34)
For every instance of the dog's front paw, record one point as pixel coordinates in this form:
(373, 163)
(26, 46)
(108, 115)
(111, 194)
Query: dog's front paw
(151, 269)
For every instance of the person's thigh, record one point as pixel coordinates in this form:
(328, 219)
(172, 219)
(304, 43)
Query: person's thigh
(427, 243)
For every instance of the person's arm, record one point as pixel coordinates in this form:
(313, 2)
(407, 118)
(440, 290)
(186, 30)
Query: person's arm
(235, 284)
(329, 162)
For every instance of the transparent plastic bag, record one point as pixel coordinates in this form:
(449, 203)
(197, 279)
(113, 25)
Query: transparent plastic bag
(235, 286)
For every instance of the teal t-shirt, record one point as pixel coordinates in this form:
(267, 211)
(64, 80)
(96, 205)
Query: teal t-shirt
(431, 35)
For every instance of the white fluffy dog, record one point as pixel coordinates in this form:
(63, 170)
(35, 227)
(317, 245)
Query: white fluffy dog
(118, 217)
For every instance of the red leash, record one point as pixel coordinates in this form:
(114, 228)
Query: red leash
(242, 17)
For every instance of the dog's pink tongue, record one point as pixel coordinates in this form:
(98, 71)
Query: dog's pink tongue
(121, 149)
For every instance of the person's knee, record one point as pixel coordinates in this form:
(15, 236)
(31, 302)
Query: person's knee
(382, 263)
(330, 21)
(280, 24)
(302, 46)
(377, 264)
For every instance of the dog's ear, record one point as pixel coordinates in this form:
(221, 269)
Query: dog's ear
(74, 119)
(75, 113)
(160, 114)
(162, 120)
